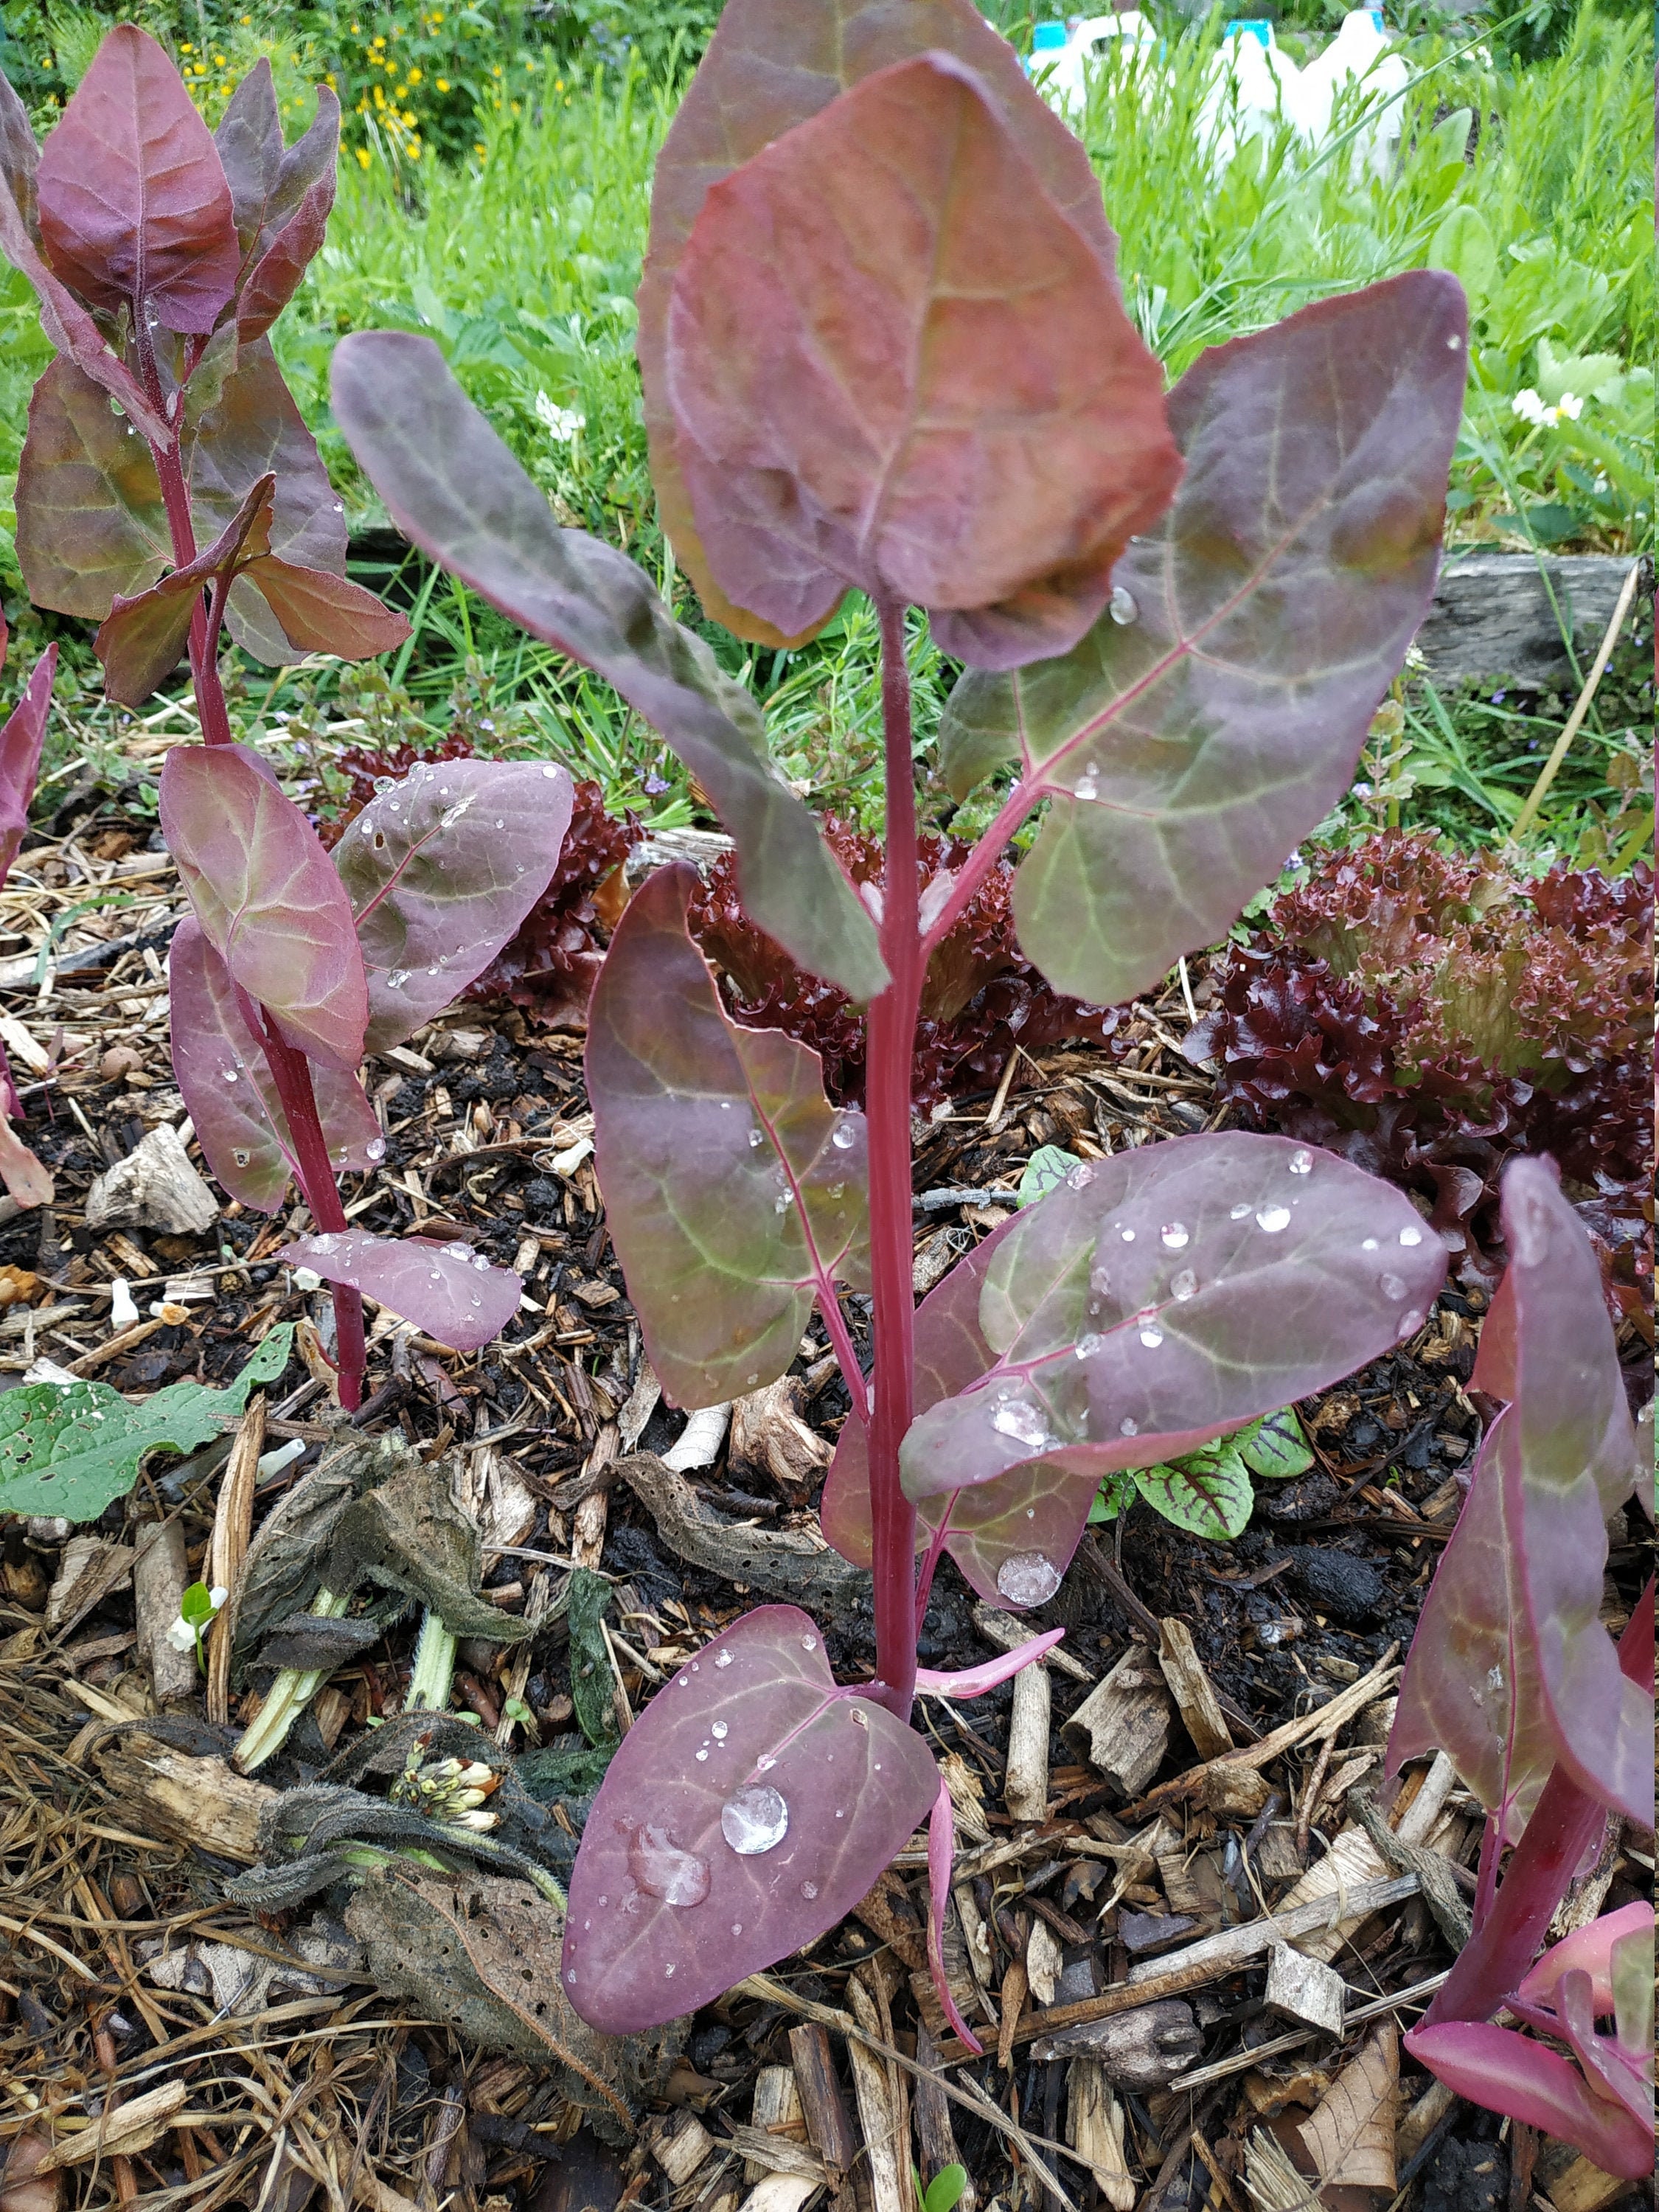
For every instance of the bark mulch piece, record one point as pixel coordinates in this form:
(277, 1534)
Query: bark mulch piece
(1207, 1760)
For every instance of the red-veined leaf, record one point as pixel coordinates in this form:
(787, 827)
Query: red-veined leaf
(440, 871)
(974, 1681)
(91, 525)
(226, 1084)
(447, 1290)
(142, 639)
(1213, 714)
(893, 362)
(750, 1807)
(267, 897)
(457, 492)
(135, 211)
(21, 741)
(770, 65)
(734, 1191)
(20, 159)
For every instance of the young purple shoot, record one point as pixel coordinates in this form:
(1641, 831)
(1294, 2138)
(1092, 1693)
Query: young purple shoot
(883, 347)
(26, 1179)
(161, 255)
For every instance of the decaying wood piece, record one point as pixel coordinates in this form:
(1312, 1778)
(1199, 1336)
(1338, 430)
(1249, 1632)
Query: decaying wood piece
(1122, 1728)
(936, 2142)
(764, 2152)
(769, 1440)
(776, 2113)
(155, 1187)
(824, 2109)
(1094, 2129)
(1272, 2181)
(1241, 1791)
(1192, 1690)
(1420, 2122)
(1440, 1889)
(1305, 1989)
(890, 2187)
(159, 1576)
(233, 1529)
(1491, 614)
(133, 2125)
(781, 2192)
(1579, 2186)
(168, 1792)
(678, 2141)
(88, 1569)
(698, 1443)
(1352, 1865)
(1141, 2050)
(1044, 1960)
(1025, 1782)
(784, 1563)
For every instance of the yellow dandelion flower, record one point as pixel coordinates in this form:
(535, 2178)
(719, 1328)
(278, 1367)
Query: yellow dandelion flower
(558, 84)
(362, 156)
(442, 83)
(186, 48)
(377, 43)
(415, 150)
(409, 119)
(415, 75)
(483, 152)
(495, 69)
(515, 106)
(379, 97)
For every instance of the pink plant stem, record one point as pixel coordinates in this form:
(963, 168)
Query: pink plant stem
(887, 1109)
(1564, 1824)
(977, 867)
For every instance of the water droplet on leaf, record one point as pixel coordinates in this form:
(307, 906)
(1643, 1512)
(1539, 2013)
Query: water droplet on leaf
(719, 1731)
(754, 1819)
(1028, 1578)
(1086, 1346)
(1152, 1329)
(1273, 1219)
(1392, 1286)
(1126, 1427)
(1022, 1422)
(809, 1890)
(1411, 1236)
(1122, 606)
(844, 1137)
(662, 1869)
(1175, 1235)
(1185, 1285)
(1301, 1163)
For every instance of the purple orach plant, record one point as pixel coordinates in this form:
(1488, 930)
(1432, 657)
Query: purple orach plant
(883, 347)
(162, 254)
(1548, 1722)
(28, 1180)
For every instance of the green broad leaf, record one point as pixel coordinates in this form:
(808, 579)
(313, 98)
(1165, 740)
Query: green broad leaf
(71, 1449)
(1208, 1493)
(1275, 1446)
(944, 2192)
(1049, 1166)
(196, 1605)
(1114, 1494)
(592, 1684)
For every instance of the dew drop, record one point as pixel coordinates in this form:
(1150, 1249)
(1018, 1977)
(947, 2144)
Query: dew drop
(809, 1644)
(1175, 1235)
(1121, 605)
(668, 1969)
(662, 1869)
(1028, 1578)
(1392, 1286)
(1411, 1236)
(719, 1730)
(755, 1137)
(1127, 1234)
(1088, 784)
(1273, 1219)
(1369, 1245)
(1126, 1427)
(1022, 1422)
(703, 1754)
(375, 1148)
(783, 1201)
(1152, 1329)
(231, 1076)
(1410, 1321)
(1184, 1286)
(1100, 1281)
(723, 1659)
(764, 1763)
(1086, 1346)
(844, 1137)
(754, 1819)
(809, 1889)
(1081, 1176)
(1300, 1162)
(241, 1157)
(737, 1927)
(1237, 1212)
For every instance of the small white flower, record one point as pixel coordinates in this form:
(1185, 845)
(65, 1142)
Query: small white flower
(218, 1596)
(1415, 656)
(1571, 405)
(1529, 407)
(307, 1279)
(562, 423)
(123, 1311)
(181, 1635)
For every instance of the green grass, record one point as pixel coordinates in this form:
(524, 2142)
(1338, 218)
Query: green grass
(522, 263)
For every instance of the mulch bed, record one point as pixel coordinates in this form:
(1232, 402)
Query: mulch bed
(255, 2062)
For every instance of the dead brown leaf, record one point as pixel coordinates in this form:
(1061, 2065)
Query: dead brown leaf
(1350, 2136)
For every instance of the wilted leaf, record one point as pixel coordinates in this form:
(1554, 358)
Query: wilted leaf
(29, 2183)
(460, 494)
(226, 1084)
(445, 1289)
(695, 1869)
(70, 1448)
(408, 1534)
(481, 1952)
(1350, 2135)
(284, 1570)
(440, 871)
(770, 65)
(21, 739)
(1531, 1544)
(267, 897)
(894, 363)
(135, 211)
(1186, 748)
(734, 1192)
(26, 1179)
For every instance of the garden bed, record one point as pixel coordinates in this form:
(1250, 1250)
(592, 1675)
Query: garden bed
(1120, 1840)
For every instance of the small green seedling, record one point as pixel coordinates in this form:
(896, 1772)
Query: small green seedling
(944, 2192)
(1209, 1492)
(198, 1608)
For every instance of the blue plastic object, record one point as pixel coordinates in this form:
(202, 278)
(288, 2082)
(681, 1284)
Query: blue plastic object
(1259, 27)
(1047, 38)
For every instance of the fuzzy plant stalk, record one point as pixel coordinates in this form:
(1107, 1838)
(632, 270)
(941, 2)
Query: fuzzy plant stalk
(884, 349)
(169, 490)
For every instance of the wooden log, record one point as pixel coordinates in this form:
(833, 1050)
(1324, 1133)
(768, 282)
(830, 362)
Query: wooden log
(930, 2112)
(1491, 615)
(776, 2111)
(159, 1576)
(1094, 2129)
(829, 2129)
(1192, 1690)
(1025, 1785)
(678, 2141)
(1142, 2050)
(890, 2183)
(1122, 1728)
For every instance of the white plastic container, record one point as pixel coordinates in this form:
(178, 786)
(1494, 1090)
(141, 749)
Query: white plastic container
(1360, 54)
(1060, 52)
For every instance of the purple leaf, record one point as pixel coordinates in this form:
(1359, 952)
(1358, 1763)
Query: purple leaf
(26, 1179)
(1214, 716)
(1507, 1700)
(135, 211)
(453, 487)
(226, 1084)
(282, 195)
(267, 897)
(91, 525)
(20, 159)
(893, 362)
(772, 64)
(1508, 2072)
(446, 1290)
(318, 612)
(1166, 1296)
(142, 639)
(750, 1807)
(974, 1681)
(735, 1193)
(941, 1851)
(1586, 1950)
(1607, 2070)
(21, 741)
(440, 871)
